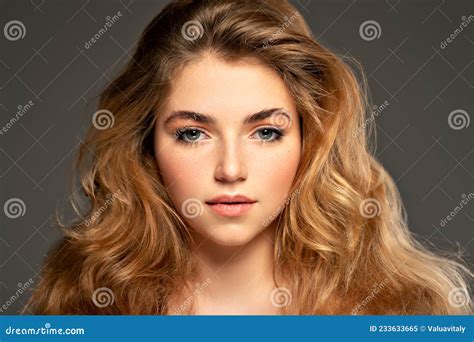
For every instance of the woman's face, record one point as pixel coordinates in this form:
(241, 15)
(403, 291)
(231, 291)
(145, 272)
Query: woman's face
(228, 129)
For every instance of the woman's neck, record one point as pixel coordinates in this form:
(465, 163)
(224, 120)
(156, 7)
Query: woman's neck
(235, 280)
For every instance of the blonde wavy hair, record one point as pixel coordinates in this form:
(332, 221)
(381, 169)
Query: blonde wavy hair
(342, 244)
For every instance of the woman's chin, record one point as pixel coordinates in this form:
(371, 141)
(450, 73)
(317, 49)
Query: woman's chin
(231, 237)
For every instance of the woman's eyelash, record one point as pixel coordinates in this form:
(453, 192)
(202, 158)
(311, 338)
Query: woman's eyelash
(279, 134)
(180, 134)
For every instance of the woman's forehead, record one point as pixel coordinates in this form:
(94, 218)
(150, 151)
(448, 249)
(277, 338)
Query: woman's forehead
(237, 89)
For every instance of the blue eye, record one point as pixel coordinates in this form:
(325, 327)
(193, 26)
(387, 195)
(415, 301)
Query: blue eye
(188, 135)
(269, 134)
(193, 135)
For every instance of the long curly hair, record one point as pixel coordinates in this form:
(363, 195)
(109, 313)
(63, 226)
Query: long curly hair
(342, 242)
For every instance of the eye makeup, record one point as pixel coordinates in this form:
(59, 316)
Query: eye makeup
(190, 135)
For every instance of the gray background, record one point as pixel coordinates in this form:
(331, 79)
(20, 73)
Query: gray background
(431, 162)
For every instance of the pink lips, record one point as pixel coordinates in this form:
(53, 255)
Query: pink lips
(231, 210)
(231, 205)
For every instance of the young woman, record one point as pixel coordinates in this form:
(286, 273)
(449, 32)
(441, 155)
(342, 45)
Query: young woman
(228, 174)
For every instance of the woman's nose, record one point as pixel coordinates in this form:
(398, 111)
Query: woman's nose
(231, 166)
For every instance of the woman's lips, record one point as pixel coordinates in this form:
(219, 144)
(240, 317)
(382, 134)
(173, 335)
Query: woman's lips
(231, 209)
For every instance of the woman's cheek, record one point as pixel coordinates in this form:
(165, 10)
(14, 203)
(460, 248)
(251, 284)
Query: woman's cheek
(276, 169)
(183, 173)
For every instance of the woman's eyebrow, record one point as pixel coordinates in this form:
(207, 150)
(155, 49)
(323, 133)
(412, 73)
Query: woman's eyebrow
(209, 119)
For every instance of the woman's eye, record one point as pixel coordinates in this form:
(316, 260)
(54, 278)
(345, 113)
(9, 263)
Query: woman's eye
(188, 135)
(194, 135)
(269, 134)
